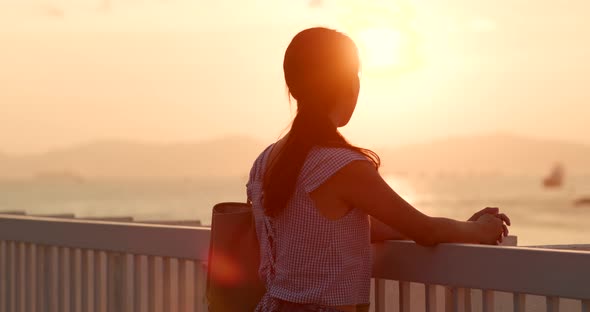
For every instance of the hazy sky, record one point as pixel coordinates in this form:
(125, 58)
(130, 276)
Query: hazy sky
(180, 70)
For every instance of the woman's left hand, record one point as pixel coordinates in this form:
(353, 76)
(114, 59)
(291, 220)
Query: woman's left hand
(496, 212)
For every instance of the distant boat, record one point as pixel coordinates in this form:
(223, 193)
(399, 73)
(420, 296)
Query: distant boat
(555, 177)
(584, 201)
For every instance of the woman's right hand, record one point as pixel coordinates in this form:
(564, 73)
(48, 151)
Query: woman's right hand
(491, 229)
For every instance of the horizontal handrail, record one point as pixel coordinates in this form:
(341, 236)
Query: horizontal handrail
(136, 238)
(547, 272)
(582, 247)
(537, 271)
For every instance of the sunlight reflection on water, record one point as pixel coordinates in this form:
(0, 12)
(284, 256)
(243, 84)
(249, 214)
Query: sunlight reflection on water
(539, 216)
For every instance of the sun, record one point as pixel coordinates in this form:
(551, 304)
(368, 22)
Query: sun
(381, 47)
(385, 35)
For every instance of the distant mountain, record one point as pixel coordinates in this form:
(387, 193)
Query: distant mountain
(499, 153)
(233, 156)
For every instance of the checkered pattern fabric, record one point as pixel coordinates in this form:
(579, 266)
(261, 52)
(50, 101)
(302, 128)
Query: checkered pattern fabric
(306, 258)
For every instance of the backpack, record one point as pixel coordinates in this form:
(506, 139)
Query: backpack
(233, 283)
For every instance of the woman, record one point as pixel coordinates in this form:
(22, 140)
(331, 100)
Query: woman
(314, 194)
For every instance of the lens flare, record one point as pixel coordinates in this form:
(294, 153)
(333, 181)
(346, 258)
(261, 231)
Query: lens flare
(384, 33)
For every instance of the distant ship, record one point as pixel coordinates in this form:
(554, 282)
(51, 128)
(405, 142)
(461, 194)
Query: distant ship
(582, 201)
(555, 177)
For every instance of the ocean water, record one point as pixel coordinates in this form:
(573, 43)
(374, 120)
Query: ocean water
(539, 216)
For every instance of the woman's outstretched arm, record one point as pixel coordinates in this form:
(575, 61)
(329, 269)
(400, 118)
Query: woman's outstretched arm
(359, 185)
(381, 232)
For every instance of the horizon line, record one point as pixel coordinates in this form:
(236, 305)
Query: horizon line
(213, 139)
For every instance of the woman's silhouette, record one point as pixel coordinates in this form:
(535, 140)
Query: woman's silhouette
(319, 201)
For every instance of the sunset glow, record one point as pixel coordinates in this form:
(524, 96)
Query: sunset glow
(381, 48)
(385, 35)
(168, 71)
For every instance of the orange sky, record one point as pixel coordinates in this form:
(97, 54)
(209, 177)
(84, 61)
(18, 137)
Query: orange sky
(184, 70)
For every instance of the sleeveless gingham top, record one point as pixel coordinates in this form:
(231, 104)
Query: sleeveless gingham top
(305, 257)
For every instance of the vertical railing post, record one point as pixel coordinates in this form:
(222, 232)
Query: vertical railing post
(186, 288)
(379, 288)
(155, 290)
(3, 276)
(451, 299)
(114, 282)
(586, 305)
(100, 281)
(128, 271)
(430, 298)
(171, 284)
(64, 279)
(11, 277)
(21, 271)
(552, 304)
(77, 272)
(40, 305)
(488, 299)
(141, 283)
(519, 302)
(53, 279)
(467, 299)
(88, 277)
(404, 296)
(460, 299)
(31, 265)
(200, 286)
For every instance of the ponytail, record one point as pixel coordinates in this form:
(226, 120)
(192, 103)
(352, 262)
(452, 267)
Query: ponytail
(308, 130)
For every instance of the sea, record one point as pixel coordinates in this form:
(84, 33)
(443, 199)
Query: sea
(539, 216)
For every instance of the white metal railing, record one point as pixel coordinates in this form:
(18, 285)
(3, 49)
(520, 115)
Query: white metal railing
(64, 265)
(552, 274)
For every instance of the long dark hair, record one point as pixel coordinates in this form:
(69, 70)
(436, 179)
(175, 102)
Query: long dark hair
(319, 63)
